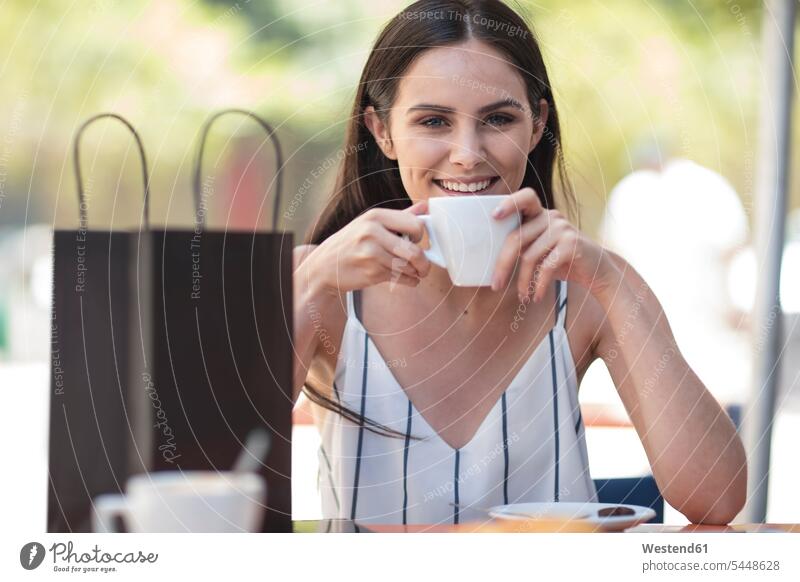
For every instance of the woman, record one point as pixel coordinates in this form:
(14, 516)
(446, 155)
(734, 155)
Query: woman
(435, 401)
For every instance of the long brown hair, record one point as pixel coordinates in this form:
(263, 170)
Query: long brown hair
(367, 178)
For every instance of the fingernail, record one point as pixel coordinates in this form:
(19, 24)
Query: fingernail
(497, 212)
(495, 283)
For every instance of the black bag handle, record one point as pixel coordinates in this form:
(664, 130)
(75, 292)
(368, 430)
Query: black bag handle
(76, 157)
(199, 161)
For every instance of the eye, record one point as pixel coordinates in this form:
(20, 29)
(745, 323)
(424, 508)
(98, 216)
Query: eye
(498, 119)
(434, 122)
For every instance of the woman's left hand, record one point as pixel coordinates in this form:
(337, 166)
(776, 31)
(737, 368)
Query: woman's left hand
(549, 247)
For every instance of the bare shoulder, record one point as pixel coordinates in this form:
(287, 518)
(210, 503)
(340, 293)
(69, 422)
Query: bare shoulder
(585, 321)
(329, 327)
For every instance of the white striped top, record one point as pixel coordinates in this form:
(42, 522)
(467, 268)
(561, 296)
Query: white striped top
(530, 447)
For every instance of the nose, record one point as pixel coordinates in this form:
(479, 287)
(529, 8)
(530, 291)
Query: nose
(466, 150)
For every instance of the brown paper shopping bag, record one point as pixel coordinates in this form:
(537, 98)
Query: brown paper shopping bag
(97, 415)
(207, 356)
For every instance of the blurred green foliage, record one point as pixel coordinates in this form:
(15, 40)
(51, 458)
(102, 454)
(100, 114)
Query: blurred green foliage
(629, 76)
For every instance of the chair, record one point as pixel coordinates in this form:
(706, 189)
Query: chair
(634, 491)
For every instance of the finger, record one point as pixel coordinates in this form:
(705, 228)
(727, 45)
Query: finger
(525, 201)
(418, 208)
(405, 250)
(518, 240)
(531, 261)
(391, 262)
(400, 222)
(553, 262)
(384, 260)
(402, 279)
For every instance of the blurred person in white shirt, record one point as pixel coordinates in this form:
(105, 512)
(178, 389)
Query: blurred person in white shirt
(678, 224)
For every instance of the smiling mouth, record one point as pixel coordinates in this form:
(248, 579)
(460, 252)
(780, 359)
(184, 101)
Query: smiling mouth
(454, 188)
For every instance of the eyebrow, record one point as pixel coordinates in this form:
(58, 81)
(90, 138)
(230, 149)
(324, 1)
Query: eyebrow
(509, 102)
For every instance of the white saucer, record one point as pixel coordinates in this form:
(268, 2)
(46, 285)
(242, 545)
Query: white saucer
(574, 510)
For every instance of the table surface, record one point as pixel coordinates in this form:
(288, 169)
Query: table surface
(347, 526)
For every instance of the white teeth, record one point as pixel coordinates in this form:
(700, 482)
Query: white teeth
(458, 187)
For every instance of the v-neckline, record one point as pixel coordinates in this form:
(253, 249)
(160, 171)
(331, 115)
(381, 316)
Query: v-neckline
(353, 315)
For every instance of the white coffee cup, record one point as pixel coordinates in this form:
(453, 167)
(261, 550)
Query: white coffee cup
(184, 501)
(465, 239)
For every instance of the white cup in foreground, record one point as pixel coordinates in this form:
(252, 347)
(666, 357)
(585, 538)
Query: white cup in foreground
(464, 237)
(184, 501)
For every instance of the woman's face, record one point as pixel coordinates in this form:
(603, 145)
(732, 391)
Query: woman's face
(461, 124)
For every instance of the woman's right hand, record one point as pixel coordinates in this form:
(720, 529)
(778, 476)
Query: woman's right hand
(371, 250)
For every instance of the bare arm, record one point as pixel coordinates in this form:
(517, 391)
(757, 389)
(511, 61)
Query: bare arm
(311, 301)
(697, 458)
(366, 251)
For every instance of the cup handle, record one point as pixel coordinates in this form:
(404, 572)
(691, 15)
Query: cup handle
(106, 508)
(434, 253)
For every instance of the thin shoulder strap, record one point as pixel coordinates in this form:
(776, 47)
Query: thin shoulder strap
(349, 303)
(561, 303)
(357, 304)
(354, 304)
